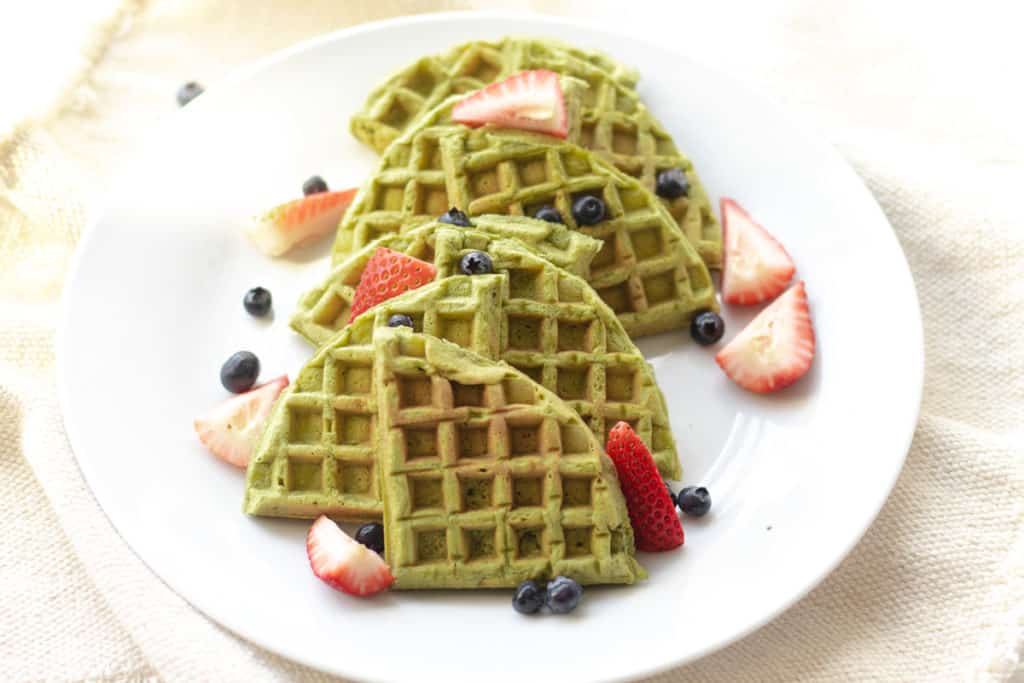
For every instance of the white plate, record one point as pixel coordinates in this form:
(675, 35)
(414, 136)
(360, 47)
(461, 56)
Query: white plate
(154, 306)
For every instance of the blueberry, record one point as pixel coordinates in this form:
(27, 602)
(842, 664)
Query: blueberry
(672, 183)
(671, 495)
(400, 320)
(239, 372)
(563, 595)
(314, 185)
(189, 92)
(549, 214)
(588, 210)
(372, 536)
(528, 598)
(454, 216)
(476, 263)
(707, 327)
(257, 301)
(695, 500)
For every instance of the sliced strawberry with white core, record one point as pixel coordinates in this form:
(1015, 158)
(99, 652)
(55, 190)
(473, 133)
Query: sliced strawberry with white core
(299, 221)
(755, 267)
(344, 563)
(530, 100)
(776, 348)
(231, 429)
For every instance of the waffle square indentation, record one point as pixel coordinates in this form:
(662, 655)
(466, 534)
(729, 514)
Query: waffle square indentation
(305, 475)
(480, 544)
(578, 541)
(477, 493)
(355, 477)
(647, 243)
(414, 391)
(471, 440)
(352, 429)
(305, 424)
(659, 288)
(572, 383)
(620, 384)
(527, 491)
(577, 491)
(431, 545)
(420, 442)
(572, 335)
(524, 332)
(467, 395)
(426, 493)
(529, 542)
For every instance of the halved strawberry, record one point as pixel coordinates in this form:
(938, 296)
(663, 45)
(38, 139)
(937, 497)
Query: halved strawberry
(299, 221)
(529, 100)
(656, 525)
(387, 274)
(755, 267)
(776, 348)
(231, 429)
(344, 563)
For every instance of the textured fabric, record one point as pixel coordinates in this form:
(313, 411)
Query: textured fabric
(925, 103)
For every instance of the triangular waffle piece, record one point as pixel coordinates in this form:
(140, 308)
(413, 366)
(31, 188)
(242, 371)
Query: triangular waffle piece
(614, 122)
(325, 309)
(647, 271)
(316, 454)
(489, 479)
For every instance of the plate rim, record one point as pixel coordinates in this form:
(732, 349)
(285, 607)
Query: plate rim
(808, 132)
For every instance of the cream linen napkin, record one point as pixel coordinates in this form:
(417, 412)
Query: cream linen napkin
(923, 99)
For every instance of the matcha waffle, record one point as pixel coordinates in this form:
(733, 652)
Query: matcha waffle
(489, 479)
(646, 271)
(325, 309)
(397, 103)
(316, 454)
(612, 120)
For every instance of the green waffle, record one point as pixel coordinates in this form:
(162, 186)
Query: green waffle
(316, 454)
(489, 479)
(325, 309)
(647, 271)
(612, 121)
(396, 104)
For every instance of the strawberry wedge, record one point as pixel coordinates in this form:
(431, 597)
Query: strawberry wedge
(755, 267)
(299, 221)
(530, 100)
(656, 526)
(343, 563)
(387, 274)
(776, 348)
(231, 429)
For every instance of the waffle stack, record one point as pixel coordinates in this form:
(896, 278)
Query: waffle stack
(477, 435)
(613, 123)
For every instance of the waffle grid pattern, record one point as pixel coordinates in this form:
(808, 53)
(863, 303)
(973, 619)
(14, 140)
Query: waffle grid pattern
(325, 309)
(489, 484)
(646, 271)
(614, 123)
(397, 103)
(319, 457)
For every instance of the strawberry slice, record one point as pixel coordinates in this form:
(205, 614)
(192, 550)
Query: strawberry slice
(231, 429)
(387, 274)
(530, 100)
(776, 348)
(656, 525)
(755, 267)
(344, 563)
(299, 221)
